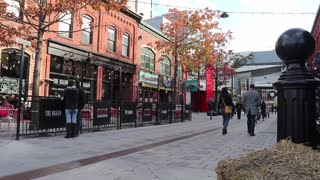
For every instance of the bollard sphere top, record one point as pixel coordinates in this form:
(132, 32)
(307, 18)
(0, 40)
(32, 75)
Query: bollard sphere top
(295, 46)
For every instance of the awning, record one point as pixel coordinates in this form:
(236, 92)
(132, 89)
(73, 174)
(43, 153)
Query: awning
(155, 86)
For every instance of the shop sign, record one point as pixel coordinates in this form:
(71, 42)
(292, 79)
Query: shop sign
(102, 112)
(166, 82)
(86, 85)
(148, 78)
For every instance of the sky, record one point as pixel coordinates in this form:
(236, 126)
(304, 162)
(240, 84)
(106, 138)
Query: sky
(252, 31)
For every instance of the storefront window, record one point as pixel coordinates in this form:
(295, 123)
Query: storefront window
(67, 67)
(56, 64)
(10, 71)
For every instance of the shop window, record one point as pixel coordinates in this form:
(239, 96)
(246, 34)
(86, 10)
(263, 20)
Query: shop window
(165, 67)
(10, 64)
(147, 59)
(56, 64)
(86, 37)
(112, 39)
(67, 67)
(65, 25)
(13, 7)
(125, 44)
(180, 73)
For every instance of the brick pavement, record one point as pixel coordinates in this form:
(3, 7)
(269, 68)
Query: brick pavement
(192, 158)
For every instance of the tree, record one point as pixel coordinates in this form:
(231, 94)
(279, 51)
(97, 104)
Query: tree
(33, 18)
(191, 36)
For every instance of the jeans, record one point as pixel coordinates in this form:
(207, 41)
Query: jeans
(71, 115)
(226, 118)
(251, 123)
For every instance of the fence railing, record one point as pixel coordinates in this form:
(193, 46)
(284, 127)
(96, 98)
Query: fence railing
(43, 115)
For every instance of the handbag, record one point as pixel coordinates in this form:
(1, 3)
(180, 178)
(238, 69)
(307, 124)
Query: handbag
(227, 109)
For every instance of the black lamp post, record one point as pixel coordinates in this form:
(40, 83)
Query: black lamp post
(296, 88)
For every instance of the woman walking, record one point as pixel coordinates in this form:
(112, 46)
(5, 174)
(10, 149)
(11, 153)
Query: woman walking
(225, 105)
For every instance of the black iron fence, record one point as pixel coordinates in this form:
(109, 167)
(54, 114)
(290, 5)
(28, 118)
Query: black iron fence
(43, 115)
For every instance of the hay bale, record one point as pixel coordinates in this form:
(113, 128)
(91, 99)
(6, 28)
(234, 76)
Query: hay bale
(285, 160)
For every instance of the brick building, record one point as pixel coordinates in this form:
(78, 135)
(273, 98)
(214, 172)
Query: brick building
(115, 60)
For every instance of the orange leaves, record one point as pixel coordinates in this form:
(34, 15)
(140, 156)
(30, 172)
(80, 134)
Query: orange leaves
(193, 36)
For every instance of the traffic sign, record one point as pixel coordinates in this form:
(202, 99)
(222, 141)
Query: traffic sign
(24, 42)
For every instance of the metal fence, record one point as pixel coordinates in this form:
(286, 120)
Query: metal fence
(45, 115)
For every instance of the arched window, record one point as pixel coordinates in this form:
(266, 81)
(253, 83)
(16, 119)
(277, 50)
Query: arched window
(125, 44)
(86, 37)
(13, 7)
(112, 39)
(147, 59)
(65, 25)
(165, 66)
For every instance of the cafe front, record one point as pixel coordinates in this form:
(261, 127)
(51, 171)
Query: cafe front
(101, 77)
(154, 88)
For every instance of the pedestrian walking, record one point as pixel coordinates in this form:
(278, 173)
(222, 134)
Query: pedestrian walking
(82, 102)
(71, 103)
(239, 107)
(251, 101)
(263, 110)
(225, 105)
(210, 108)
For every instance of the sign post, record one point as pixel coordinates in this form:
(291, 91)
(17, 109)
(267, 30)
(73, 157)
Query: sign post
(24, 43)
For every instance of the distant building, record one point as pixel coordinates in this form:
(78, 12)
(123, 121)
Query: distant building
(263, 69)
(141, 7)
(156, 22)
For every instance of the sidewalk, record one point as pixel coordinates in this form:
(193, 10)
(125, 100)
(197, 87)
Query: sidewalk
(191, 157)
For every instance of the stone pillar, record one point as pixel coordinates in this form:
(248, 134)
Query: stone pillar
(296, 88)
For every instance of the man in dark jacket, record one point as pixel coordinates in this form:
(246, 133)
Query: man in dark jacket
(71, 103)
(210, 108)
(82, 102)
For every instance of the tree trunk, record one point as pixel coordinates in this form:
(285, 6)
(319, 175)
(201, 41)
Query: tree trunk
(38, 59)
(174, 85)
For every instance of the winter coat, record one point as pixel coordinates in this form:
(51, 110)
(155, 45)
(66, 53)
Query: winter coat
(71, 97)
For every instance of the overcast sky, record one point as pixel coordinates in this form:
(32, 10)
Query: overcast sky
(253, 31)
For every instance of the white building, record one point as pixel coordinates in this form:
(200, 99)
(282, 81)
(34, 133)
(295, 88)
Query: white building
(142, 7)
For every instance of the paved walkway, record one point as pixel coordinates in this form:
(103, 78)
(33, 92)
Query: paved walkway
(188, 150)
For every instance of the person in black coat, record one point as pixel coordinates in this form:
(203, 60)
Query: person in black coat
(239, 107)
(225, 100)
(82, 102)
(263, 110)
(210, 108)
(71, 103)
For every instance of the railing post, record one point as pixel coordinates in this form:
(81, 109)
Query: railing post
(296, 88)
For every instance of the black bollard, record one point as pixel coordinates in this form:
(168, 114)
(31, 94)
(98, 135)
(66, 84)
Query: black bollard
(296, 88)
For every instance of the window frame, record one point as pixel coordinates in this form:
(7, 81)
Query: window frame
(165, 66)
(87, 30)
(146, 58)
(67, 33)
(125, 46)
(112, 40)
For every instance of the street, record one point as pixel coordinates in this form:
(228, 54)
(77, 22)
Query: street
(188, 150)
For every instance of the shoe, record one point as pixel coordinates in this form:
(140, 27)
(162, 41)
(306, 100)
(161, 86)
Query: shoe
(252, 134)
(68, 126)
(224, 131)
